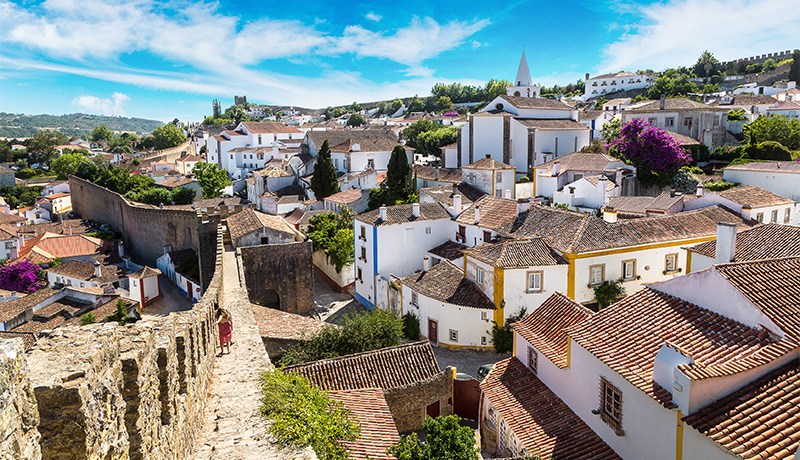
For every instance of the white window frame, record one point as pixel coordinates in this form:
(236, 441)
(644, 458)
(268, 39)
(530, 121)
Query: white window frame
(592, 268)
(479, 275)
(673, 256)
(453, 335)
(532, 277)
(629, 263)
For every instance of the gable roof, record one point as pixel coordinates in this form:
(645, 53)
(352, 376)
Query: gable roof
(277, 324)
(269, 127)
(554, 124)
(532, 252)
(788, 105)
(544, 424)
(385, 368)
(446, 283)
(786, 167)
(759, 420)
(444, 193)
(145, 272)
(544, 327)
(48, 246)
(745, 99)
(639, 205)
(348, 196)
(535, 102)
(673, 104)
(445, 174)
(577, 161)
(249, 220)
(768, 241)
(494, 212)
(449, 250)
(404, 213)
(488, 163)
(377, 431)
(85, 271)
(754, 195)
(370, 140)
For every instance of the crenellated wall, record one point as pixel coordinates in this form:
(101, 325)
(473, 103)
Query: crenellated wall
(279, 275)
(109, 392)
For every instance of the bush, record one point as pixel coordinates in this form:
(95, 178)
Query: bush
(727, 153)
(303, 415)
(608, 293)
(88, 318)
(524, 180)
(26, 173)
(332, 233)
(23, 276)
(684, 181)
(736, 115)
(767, 150)
(106, 236)
(503, 337)
(446, 440)
(358, 333)
(718, 186)
(121, 315)
(411, 326)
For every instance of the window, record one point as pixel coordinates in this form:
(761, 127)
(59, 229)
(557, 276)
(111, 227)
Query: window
(532, 360)
(597, 274)
(264, 240)
(414, 299)
(259, 139)
(483, 340)
(774, 218)
(671, 263)
(715, 123)
(487, 236)
(359, 276)
(628, 269)
(577, 176)
(760, 217)
(687, 122)
(485, 316)
(364, 254)
(499, 177)
(610, 404)
(787, 215)
(364, 233)
(370, 164)
(535, 281)
(652, 121)
(336, 163)
(409, 237)
(453, 335)
(479, 276)
(82, 285)
(461, 236)
(669, 122)
(427, 230)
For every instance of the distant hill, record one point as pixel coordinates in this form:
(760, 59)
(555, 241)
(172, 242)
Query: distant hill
(75, 124)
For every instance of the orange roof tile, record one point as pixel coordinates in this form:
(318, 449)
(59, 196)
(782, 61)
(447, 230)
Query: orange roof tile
(377, 429)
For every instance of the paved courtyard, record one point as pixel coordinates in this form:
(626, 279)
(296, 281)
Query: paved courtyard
(466, 361)
(171, 300)
(330, 305)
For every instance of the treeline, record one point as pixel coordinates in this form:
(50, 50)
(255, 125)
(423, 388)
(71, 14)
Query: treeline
(76, 124)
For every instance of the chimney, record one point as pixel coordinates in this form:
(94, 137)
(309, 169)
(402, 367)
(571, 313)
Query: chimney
(663, 100)
(618, 176)
(127, 261)
(747, 212)
(508, 194)
(121, 249)
(457, 203)
(383, 213)
(602, 182)
(97, 272)
(488, 155)
(21, 243)
(477, 214)
(700, 189)
(415, 209)
(609, 214)
(726, 243)
(587, 77)
(556, 168)
(436, 173)
(426, 263)
(523, 205)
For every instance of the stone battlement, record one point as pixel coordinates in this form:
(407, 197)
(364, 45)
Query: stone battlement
(105, 391)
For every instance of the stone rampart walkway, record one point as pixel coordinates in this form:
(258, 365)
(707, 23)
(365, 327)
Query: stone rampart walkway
(233, 427)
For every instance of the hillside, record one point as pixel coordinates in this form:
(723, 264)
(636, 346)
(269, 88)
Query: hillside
(76, 124)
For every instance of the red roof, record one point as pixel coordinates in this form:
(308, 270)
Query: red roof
(269, 127)
(377, 429)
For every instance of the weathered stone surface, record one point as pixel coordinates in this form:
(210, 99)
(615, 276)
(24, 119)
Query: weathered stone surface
(19, 416)
(283, 269)
(408, 403)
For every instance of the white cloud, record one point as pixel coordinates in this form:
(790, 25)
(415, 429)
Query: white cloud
(676, 33)
(94, 104)
(374, 17)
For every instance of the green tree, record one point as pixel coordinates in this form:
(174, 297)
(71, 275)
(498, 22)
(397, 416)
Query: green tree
(212, 179)
(446, 440)
(41, 147)
(167, 136)
(183, 195)
(794, 69)
(332, 233)
(355, 107)
(121, 315)
(608, 293)
(87, 170)
(102, 133)
(502, 335)
(706, 65)
(709, 88)
(416, 105)
(356, 119)
(398, 173)
(444, 104)
(431, 142)
(324, 182)
(776, 128)
(88, 318)
(413, 131)
(382, 105)
(216, 109)
(358, 333)
(303, 415)
(396, 105)
(67, 164)
(155, 196)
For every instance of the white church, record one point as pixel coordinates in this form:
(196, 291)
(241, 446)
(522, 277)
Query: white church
(520, 129)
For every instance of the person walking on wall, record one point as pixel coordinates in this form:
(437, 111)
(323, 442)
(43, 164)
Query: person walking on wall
(225, 324)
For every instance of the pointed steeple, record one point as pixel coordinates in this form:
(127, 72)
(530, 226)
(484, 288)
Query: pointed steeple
(523, 75)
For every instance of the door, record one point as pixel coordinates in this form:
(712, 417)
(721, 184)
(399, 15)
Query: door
(432, 410)
(466, 398)
(433, 331)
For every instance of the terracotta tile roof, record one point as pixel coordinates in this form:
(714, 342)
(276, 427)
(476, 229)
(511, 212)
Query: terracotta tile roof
(488, 163)
(249, 220)
(211, 203)
(786, 167)
(403, 213)
(745, 99)
(277, 324)
(544, 424)
(449, 250)
(85, 271)
(48, 246)
(446, 282)
(755, 196)
(28, 338)
(56, 195)
(444, 193)
(189, 158)
(758, 421)
(788, 105)
(532, 252)
(572, 232)
(378, 432)
(595, 181)
(59, 228)
(347, 196)
(445, 174)
(372, 140)
(768, 241)
(544, 327)
(175, 182)
(147, 272)
(494, 212)
(535, 103)
(9, 309)
(589, 115)
(294, 216)
(595, 162)
(10, 218)
(269, 127)
(306, 219)
(385, 368)
(627, 336)
(773, 286)
(673, 104)
(682, 140)
(616, 75)
(553, 124)
(639, 205)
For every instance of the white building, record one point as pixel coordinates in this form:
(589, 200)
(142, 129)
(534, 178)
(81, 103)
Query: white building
(523, 87)
(779, 177)
(186, 261)
(769, 241)
(756, 105)
(250, 146)
(89, 273)
(554, 175)
(751, 202)
(615, 82)
(789, 109)
(595, 120)
(356, 150)
(251, 228)
(491, 177)
(185, 164)
(145, 286)
(587, 194)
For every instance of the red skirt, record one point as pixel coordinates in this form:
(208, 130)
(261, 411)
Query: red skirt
(225, 332)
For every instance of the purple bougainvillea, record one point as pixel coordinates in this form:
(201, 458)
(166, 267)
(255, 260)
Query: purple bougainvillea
(22, 276)
(656, 155)
(451, 114)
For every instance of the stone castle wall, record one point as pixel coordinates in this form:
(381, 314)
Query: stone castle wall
(146, 229)
(408, 403)
(107, 392)
(283, 269)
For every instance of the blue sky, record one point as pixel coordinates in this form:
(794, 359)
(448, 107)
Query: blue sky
(157, 59)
